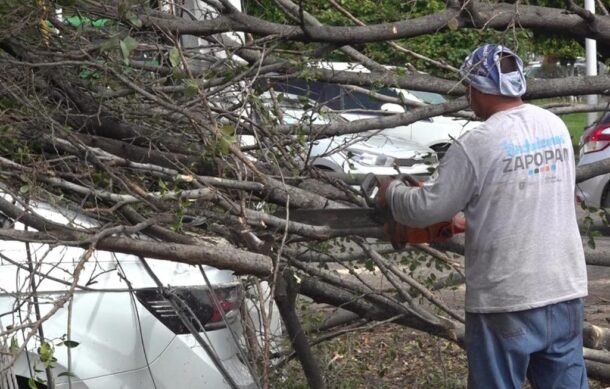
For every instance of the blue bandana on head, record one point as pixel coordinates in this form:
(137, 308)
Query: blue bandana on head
(481, 70)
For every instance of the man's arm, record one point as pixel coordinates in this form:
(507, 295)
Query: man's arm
(448, 195)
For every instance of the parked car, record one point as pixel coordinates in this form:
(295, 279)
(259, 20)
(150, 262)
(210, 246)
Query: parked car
(354, 103)
(595, 192)
(124, 332)
(353, 154)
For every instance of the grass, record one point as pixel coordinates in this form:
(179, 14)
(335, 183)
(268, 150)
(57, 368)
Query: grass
(576, 122)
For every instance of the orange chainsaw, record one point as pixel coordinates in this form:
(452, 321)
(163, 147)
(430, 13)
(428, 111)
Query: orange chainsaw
(379, 215)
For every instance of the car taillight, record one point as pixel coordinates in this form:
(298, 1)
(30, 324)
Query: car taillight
(196, 304)
(596, 139)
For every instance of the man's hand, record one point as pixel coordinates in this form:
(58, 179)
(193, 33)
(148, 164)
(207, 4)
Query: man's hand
(400, 235)
(380, 198)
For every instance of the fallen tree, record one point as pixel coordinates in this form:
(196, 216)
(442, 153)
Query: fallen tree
(132, 125)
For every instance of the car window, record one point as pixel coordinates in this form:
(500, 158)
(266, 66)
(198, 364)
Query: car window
(322, 93)
(429, 97)
(336, 97)
(299, 106)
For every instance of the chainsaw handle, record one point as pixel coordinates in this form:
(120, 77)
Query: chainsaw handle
(367, 187)
(409, 180)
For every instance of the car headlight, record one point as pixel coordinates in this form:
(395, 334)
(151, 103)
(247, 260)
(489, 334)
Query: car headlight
(369, 159)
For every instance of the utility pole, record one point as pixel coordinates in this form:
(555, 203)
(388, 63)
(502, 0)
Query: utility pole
(591, 61)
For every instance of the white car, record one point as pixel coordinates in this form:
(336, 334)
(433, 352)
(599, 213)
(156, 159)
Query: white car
(355, 103)
(122, 330)
(377, 153)
(353, 154)
(594, 146)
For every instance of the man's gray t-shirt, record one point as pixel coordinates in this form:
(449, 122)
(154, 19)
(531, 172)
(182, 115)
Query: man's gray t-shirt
(514, 178)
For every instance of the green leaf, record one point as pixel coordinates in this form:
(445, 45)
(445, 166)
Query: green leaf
(174, 57)
(591, 243)
(76, 20)
(122, 8)
(191, 88)
(88, 74)
(223, 146)
(227, 130)
(110, 44)
(587, 221)
(127, 46)
(32, 383)
(24, 189)
(225, 139)
(178, 74)
(69, 343)
(163, 186)
(45, 352)
(14, 345)
(99, 23)
(453, 24)
(133, 19)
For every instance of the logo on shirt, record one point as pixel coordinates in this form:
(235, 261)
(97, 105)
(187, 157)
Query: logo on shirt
(538, 157)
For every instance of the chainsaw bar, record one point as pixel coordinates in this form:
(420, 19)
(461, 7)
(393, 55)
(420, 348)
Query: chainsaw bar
(337, 218)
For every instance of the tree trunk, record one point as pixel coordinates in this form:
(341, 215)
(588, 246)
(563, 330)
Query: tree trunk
(598, 371)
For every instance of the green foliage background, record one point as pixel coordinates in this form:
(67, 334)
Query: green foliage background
(452, 46)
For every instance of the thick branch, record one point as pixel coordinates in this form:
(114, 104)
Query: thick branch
(285, 297)
(584, 172)
(220, 255)
(496, 16)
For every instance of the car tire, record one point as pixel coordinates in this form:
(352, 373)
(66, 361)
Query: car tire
(605, 204)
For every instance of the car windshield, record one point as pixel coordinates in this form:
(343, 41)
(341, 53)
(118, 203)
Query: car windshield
(429, 97)
(297, 106)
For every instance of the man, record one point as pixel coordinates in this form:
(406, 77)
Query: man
(513, 177)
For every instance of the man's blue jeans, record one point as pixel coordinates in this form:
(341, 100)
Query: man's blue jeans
(543, 343)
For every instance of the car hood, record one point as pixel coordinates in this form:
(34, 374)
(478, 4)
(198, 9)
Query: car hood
(463, 124)
(391, 146)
